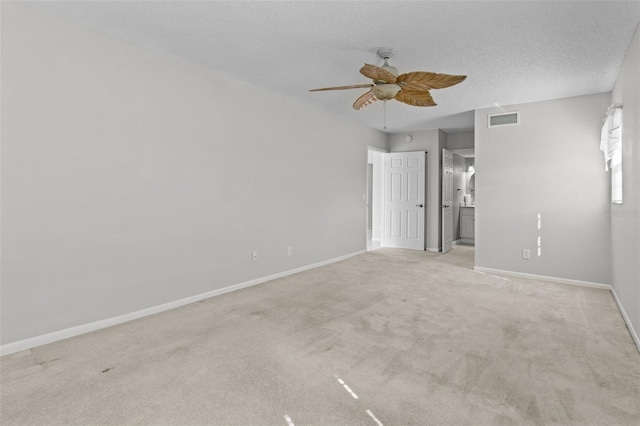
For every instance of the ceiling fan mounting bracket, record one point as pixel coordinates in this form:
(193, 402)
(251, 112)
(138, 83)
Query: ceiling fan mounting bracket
(385, 54)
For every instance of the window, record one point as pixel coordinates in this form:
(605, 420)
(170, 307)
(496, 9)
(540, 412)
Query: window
(616, 178)
(611, 147)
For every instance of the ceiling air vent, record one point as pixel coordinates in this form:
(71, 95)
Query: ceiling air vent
(504, 119)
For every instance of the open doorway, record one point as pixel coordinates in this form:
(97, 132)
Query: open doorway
(375, 197)
(464, 196)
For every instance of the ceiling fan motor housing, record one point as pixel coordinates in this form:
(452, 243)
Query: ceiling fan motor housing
(385, 92)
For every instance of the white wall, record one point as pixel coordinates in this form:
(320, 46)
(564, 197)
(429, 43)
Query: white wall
(625, 218)
(460, 140)
(376, 158)
(431, 141)
(131, 178)
(550, 164)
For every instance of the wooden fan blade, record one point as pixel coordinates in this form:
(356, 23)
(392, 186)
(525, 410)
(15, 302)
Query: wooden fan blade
(420, 80)
(354, 86)
(377, 73)
(415, 97)
(364, 100)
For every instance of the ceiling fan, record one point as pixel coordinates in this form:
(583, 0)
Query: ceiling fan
(411, 88)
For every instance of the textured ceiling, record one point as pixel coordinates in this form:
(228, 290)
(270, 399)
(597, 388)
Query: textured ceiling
(512, 52)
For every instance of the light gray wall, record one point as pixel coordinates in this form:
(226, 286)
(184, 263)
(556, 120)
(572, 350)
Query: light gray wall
(131, 178)
(550, 164)
(431, 141)
(625, 218)
(460, 140)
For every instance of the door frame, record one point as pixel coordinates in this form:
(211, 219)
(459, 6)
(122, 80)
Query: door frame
(404, 204)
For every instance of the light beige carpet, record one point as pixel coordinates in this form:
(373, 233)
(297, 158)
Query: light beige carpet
(418, 337)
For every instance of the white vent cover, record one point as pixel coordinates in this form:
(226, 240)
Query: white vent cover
(504, 119)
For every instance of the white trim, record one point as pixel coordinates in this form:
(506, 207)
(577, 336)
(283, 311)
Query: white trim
(625, 317)
(32, 342)
(375, 148)
(543, 278)
(433, 250)
(632, 331)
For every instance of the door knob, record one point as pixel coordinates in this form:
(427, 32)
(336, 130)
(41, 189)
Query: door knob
(419, 205)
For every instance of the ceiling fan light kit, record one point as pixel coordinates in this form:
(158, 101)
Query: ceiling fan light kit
(384, 92)
(411, 88)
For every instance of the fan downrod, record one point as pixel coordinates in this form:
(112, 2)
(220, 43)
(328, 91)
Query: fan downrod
(386, 54)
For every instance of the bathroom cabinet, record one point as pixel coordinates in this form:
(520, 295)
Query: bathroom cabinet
(467, 224)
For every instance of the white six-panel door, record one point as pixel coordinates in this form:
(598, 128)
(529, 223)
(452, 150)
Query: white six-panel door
(405, 200)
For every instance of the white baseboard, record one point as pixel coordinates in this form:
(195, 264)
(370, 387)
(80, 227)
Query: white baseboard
(55, 336)
(632, 331)
(542, 277)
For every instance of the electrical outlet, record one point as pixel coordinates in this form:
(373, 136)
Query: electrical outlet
(255, 256)
(526, 254)
(289, 251)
